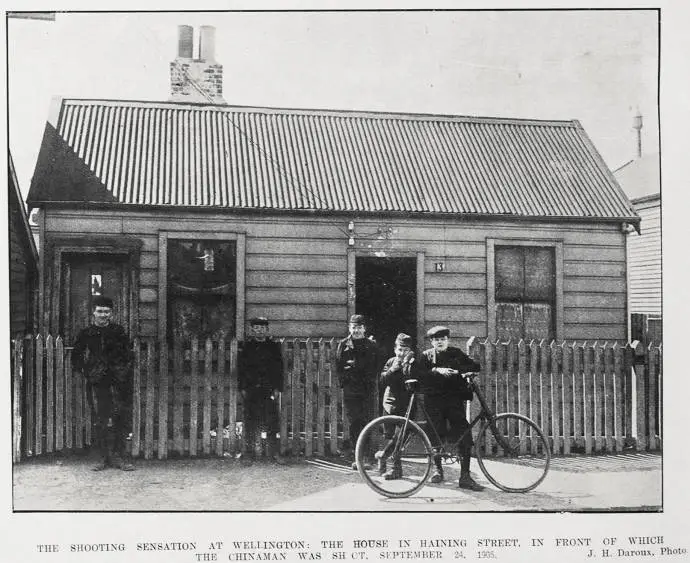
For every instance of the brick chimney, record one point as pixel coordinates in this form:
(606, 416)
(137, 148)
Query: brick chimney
(196, 80)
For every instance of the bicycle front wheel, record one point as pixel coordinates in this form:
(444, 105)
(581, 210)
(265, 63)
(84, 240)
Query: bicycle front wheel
(394, 456)
(513, 453)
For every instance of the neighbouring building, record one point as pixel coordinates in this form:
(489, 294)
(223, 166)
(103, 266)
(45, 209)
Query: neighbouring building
(23, 260)
(196, 216)
(641, 181)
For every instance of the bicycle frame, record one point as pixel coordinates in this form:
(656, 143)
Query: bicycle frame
(485, 413)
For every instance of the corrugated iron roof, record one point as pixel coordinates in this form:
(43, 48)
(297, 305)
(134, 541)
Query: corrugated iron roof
(259, 158)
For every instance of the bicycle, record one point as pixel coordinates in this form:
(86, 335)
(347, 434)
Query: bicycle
(505, 442)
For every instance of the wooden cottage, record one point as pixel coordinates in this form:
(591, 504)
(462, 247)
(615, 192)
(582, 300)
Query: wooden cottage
(23, 258)
(640, 179)
(196, 217)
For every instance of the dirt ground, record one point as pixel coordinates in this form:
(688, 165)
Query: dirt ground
(225, 484)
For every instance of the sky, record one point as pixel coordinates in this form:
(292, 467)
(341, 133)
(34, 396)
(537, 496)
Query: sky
(599, 67)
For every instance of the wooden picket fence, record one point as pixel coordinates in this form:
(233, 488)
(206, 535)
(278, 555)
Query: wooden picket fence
(588, 397)
(185, 400)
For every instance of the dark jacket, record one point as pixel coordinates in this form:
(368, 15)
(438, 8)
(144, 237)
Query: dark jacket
(103, 354)
(260, 366)
(356, 365)
(438, 386)
(396, 397)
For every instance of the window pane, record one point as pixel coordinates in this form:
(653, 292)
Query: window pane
(509, 321)
(202, 316)
(509, 273)
(538, 321)
(201, 265)
(201, 288)
(540, 274)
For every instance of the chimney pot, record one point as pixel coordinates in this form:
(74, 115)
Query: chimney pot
(207, 40)
(637, 125)
(185, 43)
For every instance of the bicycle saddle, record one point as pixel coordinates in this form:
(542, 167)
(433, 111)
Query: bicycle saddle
(411, 384)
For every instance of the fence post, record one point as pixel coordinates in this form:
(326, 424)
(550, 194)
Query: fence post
(608, 398)
(50, 394)
(640, 395)
(150, 382)
(17, 351)
(522, 390)
(136, 400)
(232, 402)
(69, 401)
(555, 381)
(308, 399)
(489, 385)
(474, 351)
(206, 416)
(652, 398)
(578, 395)
(598, 395)
(285, 401)
(38, 429)
(618, 397)
(163, 379)
(334, 388)
(194, 399)
(220, 397)
(296, 394)
(567, 395)
(587, 397)
(59, 393)
(321, 400)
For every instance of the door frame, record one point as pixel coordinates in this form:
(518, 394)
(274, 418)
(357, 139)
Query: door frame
(353, 254)
(123, 246)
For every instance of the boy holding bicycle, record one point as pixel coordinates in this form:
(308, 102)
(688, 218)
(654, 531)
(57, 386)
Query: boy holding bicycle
(445, 392)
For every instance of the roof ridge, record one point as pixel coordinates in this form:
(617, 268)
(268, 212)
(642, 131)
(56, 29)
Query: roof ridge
(368, 114)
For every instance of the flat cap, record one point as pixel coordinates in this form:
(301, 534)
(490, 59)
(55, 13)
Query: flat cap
(357, 320)
(263, 321)
(102, 301)
(438, 332)
(403, 340)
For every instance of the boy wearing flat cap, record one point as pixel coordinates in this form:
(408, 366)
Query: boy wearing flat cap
(102, 353)
(445, 392)
(356, 366)
(260, 380)
(400, 367)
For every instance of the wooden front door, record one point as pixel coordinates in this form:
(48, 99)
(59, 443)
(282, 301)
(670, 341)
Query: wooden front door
(84, 277)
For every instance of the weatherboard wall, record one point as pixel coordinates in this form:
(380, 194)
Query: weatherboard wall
(296, 267)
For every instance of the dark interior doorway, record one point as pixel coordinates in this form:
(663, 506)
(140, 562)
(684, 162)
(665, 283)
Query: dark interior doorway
(387, 296)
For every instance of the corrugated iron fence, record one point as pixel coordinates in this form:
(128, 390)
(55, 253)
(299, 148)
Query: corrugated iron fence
(589, 397)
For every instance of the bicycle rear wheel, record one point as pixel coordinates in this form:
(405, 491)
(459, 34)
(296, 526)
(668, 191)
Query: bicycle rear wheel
(513, 453)
(409, 455)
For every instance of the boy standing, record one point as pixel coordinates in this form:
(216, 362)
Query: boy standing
(260, 366)
(102, 353)
(396, 397)
(445, 392)
(355, 363)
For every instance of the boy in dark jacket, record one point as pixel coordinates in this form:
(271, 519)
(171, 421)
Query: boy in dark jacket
(260, 380)
(355, 363)
(445, 393)
(103, 355)
(401, 367)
